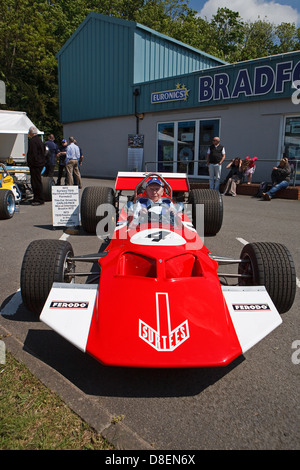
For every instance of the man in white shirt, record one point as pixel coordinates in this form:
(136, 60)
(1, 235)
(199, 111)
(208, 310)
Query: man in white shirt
(72, 160)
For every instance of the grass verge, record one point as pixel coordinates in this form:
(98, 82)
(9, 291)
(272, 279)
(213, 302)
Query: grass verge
(34, 418)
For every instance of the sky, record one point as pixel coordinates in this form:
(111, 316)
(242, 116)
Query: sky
(275, 11)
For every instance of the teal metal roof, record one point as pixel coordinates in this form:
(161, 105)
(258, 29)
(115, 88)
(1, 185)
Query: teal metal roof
(157, 56)
(103, 60)
(96, 70)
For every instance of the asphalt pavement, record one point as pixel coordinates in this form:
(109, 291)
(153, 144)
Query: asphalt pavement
(253, 403)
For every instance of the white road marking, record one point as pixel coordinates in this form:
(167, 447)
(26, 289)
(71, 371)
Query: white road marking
(64, 236)
(242, 241)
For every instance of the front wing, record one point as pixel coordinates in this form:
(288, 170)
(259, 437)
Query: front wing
(70, 308)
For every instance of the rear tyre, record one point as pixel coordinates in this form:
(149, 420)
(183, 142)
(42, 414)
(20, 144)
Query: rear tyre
(44, 262)
(213, 209)
(92, 198)
(270, 265)
(7, 204)
(47, 182)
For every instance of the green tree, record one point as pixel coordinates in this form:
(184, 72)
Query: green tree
(287, 39)
(227, 33)
(258, 40)
(193, 30)
(28, 66)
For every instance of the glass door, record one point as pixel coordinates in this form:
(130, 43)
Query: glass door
(291, 145)
(186, 147)
(165, 146)
(182, 146)
(208, 129)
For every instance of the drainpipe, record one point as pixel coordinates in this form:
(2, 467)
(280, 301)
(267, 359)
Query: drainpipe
(136, 94)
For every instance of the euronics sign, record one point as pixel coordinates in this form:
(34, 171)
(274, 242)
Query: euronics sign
(267, 78)
(180, 93)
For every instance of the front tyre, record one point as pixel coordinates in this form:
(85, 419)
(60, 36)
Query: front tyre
(270, 265)
(44, 262)
(7, 204)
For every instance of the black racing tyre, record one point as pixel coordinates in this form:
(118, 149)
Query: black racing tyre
(47, 182)
(92, 197)
(7, 204)
(44, 262)
(213, 209)
(270, 265)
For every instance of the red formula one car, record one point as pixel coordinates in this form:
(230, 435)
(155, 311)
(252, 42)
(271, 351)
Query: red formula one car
(157, 299)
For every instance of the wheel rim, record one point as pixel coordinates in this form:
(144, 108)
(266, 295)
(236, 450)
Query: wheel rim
(247, 272)
(11, 204)
(68, 268)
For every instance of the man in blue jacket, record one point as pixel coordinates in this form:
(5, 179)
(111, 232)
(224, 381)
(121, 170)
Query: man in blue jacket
(52, 153)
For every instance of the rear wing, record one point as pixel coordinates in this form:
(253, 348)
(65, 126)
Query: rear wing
(128, 180)
(17, 169)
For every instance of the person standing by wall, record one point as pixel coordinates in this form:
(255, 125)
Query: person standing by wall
(72, 159)
(36, 161)
(215, 158)
(79, 161)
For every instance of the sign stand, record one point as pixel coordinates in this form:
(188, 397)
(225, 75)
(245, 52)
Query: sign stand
(65, 206)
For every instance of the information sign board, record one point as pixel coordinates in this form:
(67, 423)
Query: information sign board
(65, 206)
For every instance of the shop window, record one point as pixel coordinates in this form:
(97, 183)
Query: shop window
(292, 143)
(186, 147)
(165, 146)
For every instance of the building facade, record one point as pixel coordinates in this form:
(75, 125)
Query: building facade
(118, 79)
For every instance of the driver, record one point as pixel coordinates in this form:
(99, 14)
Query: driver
(154, 189)
(154, 192)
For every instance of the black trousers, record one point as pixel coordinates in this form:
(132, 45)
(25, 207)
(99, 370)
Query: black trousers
(61, 172)
(36, 183)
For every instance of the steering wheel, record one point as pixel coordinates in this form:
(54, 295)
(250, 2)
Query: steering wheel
(167, 187)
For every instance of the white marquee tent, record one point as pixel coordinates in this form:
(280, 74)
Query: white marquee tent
(15, 122)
